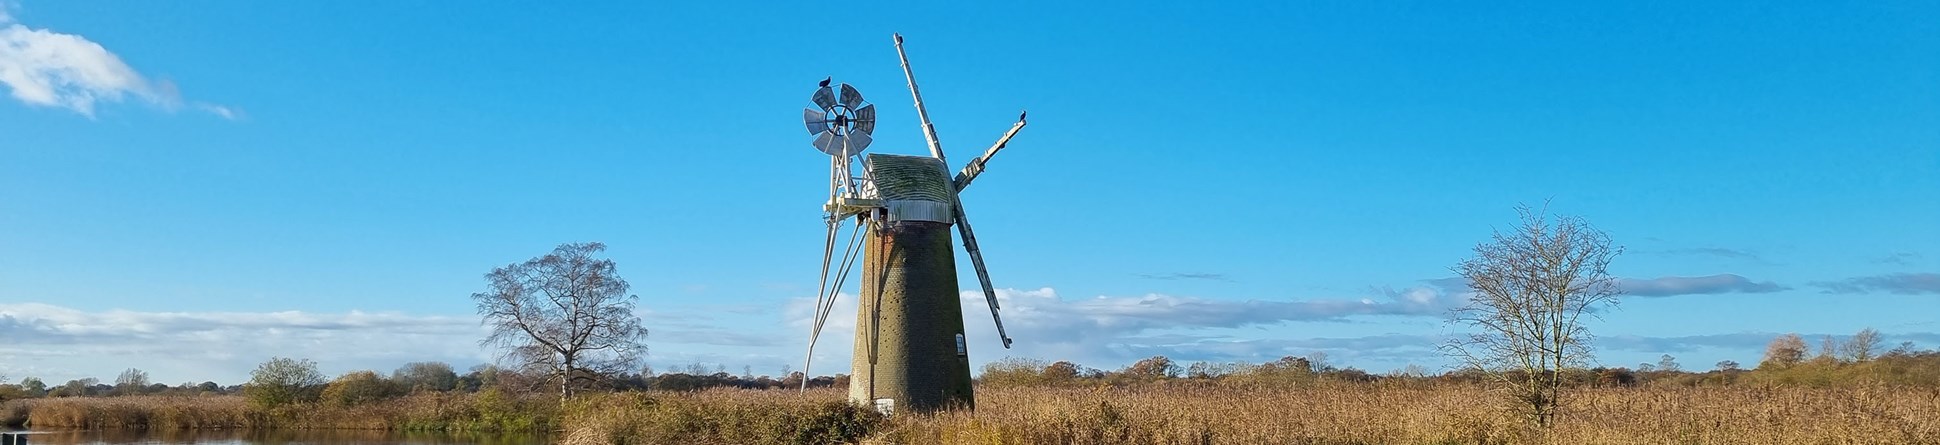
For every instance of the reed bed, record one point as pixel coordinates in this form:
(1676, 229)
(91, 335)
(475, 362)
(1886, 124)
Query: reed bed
(719, 416)
(1174, 412)
(1324, 414)
(425, 411)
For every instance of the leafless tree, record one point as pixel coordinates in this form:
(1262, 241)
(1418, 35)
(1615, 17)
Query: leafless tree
(131, 381)
(1668, 363)
(1783, 352)
(565, 315)
(1828, 350)
(1532, 287)
(1862, 346)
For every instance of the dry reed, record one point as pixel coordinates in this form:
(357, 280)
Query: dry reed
(487, 411)
(1322, 414)
(1175, 412)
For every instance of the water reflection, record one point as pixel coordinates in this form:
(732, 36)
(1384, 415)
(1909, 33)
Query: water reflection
(276, 437)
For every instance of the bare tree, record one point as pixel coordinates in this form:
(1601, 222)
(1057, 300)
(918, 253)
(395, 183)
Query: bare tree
(1862, 346)
(434, 376)
(1668, 363)
(1783, 352)
(1828, 350)
(566, 315)
(1157, 367)
(131, 381)
(1532, 287)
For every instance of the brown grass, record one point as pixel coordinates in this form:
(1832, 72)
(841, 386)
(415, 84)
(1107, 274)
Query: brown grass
(1174, 412)
(718, 416)
(433, 411)
(1327, 414)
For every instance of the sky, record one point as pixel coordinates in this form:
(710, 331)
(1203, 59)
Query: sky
(191, 188)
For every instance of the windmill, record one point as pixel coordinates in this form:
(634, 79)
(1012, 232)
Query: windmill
(910, 349)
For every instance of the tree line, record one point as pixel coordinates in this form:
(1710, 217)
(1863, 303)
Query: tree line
(1786, 363)
(1789, 360)
(282, 381)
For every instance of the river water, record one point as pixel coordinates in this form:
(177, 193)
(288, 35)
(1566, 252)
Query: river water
(274, 437)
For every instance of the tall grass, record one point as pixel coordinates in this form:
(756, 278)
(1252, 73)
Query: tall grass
(1164, 412)
(425, 411)
(1321, 414)
(719, 416)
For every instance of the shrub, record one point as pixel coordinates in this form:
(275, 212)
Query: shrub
(1013, 371)
(282, 381)
(358, 388)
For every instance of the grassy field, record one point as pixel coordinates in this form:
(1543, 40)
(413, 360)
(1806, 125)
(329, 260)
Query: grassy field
(1160, 413)
(1328, 414)
(424, 411)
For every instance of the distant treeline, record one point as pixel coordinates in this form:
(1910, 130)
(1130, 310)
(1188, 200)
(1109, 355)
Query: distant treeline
(1788, 360)
(363, 386)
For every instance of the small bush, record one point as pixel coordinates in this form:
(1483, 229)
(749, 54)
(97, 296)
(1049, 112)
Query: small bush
(358, 388)
(719, 416)
(283, 381)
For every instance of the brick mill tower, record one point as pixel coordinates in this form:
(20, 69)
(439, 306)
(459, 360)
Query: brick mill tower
(910, 351)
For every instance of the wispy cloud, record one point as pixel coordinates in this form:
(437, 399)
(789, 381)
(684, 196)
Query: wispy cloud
(1056, 316)
(1719, 252)
(223, 345)
(1383, 348)
(1899, 283)
(1185, 276)
(1706, 285)
(1741, 341)
(1899, 258)
(45, 68)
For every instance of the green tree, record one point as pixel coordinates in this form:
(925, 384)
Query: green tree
(282, 381)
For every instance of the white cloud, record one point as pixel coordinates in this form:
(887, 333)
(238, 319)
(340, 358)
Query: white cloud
(46, 68)
(1109, 331)
(59, 343)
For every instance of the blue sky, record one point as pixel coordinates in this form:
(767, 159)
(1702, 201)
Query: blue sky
(193, 187)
